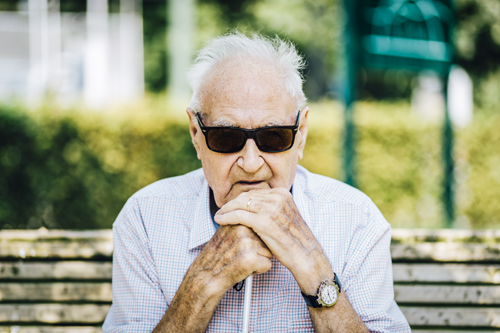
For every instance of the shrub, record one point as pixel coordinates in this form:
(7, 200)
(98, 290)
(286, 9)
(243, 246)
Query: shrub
(75, 169)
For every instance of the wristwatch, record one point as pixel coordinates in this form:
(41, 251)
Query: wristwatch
(327, 294)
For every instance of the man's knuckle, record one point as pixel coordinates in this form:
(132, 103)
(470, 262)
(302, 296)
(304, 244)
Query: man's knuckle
(268, 264)
(283, 191)
(263, 265)
(258, 261)
(245, 244)
(247, 258)
(240, 231)
(255, 205)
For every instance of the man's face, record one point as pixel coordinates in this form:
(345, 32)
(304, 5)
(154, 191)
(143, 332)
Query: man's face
(246, 95)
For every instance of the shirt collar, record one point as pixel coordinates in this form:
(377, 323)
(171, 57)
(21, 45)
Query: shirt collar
(202, 228)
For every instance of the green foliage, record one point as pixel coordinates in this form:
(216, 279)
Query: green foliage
(400, 167)
(316, 27)
(398, 159)
(75, 169)
(477, 43)
(477, 36)
(303, 21)
(155, 44)
(400, 164)
(478, 159)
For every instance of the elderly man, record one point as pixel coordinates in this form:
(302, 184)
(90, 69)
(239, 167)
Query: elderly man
(318, 248)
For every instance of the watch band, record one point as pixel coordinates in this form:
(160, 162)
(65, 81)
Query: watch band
(312, 300)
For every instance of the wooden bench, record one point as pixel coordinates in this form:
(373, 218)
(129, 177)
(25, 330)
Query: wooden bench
(60, 281)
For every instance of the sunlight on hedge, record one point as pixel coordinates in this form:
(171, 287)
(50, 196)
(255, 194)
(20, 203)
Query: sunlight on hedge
(76, 168)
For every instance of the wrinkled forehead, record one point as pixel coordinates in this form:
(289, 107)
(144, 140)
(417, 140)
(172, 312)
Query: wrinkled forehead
(237, 88)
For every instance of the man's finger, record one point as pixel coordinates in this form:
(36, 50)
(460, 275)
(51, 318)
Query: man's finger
(264, 252)
(239, 203)
(235, 217)
(242, 217)
(251, 201)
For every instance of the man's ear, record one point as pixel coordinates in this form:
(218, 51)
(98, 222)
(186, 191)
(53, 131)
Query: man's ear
(194, 131)
(303, 128)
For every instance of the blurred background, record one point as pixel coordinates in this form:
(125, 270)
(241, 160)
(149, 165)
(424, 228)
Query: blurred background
(404, 98)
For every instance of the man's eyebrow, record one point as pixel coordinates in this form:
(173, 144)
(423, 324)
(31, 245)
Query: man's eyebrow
(224, 123)
(275, 122)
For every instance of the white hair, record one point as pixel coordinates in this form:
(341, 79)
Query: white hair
(280, 54)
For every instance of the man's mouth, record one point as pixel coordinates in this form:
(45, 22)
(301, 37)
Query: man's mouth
(250, 183)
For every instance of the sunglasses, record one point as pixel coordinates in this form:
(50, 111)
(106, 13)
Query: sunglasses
(270, 139)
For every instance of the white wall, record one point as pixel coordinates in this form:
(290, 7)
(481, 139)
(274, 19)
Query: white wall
(92, 57)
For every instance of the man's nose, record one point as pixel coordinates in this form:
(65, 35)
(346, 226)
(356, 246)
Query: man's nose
(250, 158)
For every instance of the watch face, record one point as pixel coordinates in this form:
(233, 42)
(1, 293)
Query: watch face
(329, 294)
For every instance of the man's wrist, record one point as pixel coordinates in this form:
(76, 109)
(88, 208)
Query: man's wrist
(214, 287)
(192, 306)
(203, 284)
(326, 295)
(322, 271)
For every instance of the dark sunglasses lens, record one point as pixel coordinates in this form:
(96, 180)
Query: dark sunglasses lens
(274, 139)
(226, 140)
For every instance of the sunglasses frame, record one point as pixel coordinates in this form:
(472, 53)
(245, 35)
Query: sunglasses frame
(249, 133)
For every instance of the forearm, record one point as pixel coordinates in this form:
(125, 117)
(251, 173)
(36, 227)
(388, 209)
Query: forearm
(191, 308)
(231, 255)
(339, 318)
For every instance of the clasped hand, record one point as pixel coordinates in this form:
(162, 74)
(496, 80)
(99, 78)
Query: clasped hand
(273, 216)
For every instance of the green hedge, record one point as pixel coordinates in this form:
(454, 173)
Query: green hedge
(400, 165)
(75, 169)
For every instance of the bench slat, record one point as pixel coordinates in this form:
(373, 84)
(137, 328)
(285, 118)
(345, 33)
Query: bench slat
(58, 291)
(56, 270)
(407, 245)
(95, 314)
(101, 292)
(53, 313)
(448, 252)
(50, 329)
(455, 317)
(447, 294)
(398, 235)
(412, 236)
(75, 249)
(458, 273)
(56, 235)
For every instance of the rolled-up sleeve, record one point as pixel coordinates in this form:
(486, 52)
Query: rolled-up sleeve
(138, 301)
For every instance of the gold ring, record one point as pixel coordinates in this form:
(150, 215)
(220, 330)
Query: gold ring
(248, 205)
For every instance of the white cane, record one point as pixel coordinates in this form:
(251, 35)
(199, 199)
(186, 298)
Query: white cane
(248, 295)
(246, 304)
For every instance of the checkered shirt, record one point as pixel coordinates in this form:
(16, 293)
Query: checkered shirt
(163, 228)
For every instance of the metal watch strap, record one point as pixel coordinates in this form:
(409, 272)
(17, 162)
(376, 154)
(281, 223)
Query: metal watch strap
(312, 300)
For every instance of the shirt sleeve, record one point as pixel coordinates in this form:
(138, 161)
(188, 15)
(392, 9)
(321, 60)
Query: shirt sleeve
(368, 275)
(138, 301)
